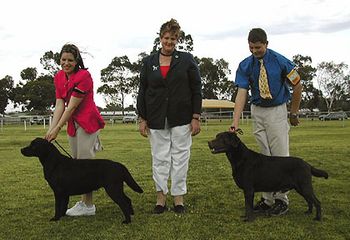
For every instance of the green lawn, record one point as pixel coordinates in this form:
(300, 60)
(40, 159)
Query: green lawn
(214, 202)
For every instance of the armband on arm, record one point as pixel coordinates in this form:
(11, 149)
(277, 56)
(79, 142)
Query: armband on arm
(293, 77)
(77, 90)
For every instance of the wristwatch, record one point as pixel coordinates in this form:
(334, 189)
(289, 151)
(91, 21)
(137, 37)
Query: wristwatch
(293, 115)
(140, 120)
(197, 118)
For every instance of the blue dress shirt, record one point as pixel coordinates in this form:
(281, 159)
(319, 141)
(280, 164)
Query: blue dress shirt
(277, 68)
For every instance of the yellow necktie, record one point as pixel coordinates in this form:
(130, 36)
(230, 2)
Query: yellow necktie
(263, 83)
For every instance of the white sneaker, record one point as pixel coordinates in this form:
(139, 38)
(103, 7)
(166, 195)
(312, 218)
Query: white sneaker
(80, 209)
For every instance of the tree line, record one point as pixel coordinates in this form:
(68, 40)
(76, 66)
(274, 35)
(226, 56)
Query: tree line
(35, 92)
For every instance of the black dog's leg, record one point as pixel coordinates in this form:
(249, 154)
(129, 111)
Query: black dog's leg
(307, 199)
(58, 203)
(318, 208)
(308, 193)
(249, 201)
(128, 200)
(64, 205)
(115, 192)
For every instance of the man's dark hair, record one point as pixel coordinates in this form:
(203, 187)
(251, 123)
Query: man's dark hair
(257, 35)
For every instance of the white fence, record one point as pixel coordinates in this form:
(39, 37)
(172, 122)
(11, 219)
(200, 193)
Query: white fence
(26, 121)
(45, 121)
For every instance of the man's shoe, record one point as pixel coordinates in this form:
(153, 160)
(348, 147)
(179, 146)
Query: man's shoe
(279, 208)
(158, 209)
(80, 209)
(179, 209)
(261, 207)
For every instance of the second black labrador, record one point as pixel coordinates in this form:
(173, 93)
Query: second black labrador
(255, 172)
(67, 177)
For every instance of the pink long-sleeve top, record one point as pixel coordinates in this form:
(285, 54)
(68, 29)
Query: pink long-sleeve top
(79, 85)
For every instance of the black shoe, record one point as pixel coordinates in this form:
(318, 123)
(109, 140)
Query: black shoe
(279, 208)
(158, 209)
(261, 207)
(179, 209)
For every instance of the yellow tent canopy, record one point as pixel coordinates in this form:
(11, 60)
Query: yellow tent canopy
(219, 104)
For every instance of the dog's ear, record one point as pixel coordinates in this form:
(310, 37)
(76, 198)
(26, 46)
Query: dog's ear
(40, 142)
(234, 139)
(40, 146)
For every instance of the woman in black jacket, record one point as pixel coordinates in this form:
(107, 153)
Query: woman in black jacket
(169, 105)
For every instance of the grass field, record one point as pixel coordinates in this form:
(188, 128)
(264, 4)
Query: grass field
(214, 202)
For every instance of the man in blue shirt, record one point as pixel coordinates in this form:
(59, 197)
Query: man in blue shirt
(269, 76)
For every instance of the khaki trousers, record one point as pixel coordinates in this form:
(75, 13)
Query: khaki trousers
(271, 131)
(84, 145)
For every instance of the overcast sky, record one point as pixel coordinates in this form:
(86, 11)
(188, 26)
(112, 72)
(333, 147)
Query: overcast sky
(109, 28)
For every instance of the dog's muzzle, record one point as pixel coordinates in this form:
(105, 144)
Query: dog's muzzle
(26, 152)
(214, 149)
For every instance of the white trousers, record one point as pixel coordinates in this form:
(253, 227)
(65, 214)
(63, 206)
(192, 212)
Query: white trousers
(170, 157)
(271, 128)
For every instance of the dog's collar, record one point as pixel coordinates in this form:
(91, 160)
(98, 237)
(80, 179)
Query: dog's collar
(239, 131)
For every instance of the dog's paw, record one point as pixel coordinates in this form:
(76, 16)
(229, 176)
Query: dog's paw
(248, 219)
(126, 222)
(54, 219)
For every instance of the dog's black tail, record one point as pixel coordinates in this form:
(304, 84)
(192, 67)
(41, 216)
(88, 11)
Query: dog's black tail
(318, 172)
(130, 181)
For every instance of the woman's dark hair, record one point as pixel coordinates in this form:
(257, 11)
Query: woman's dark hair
(71, 48)
(257, 35)
(171, 26)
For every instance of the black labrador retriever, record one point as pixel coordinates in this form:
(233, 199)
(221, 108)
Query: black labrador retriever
(255, 172)
(67, 177)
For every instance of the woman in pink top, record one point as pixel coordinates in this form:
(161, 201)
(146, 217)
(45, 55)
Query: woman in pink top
(75, 105)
